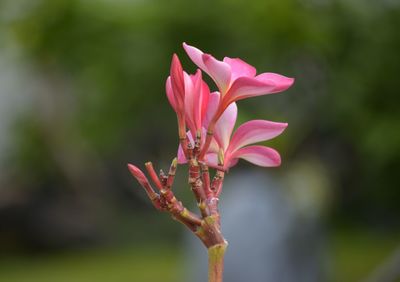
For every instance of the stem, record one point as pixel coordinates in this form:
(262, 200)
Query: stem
(210, 132)
(216, 262)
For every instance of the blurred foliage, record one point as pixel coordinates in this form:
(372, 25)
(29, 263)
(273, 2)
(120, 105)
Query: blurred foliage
(152, 265)
(104, 64)
(353, 260)
(97, 70)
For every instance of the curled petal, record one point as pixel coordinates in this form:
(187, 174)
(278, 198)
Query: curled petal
(240, 68)
(245, 87)
(258, 155)
(177, 80)
(281, 82)
(190, 102)
(255, 131)
(178, 90)
(201, 95)
(219, 71)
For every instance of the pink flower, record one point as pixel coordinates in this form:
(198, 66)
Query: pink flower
(191, 101)
(235, 79)
(225, 151)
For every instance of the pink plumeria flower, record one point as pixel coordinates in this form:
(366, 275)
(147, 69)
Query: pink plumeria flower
(235, 79)
(225, 151)
(195, 99)
(235, 147)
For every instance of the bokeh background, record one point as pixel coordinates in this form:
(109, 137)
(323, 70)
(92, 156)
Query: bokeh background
(82, 94)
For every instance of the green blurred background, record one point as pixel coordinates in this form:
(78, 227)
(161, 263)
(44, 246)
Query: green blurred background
(82, 94)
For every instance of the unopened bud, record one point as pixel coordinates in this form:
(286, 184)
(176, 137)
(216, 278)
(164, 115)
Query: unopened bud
(138, 174)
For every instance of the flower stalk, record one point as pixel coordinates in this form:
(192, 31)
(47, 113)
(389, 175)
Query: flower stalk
(216, 262)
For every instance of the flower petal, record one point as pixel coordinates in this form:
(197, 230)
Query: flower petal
(200, 95)
(190, 103)
(177, 81)
(281, 82)
(212, 160)
(240, 68)
(224, 126)
(266, 83)
(219, 71)
(258, 155)
(181, 155)
(255, 131)
(212, 108)
(170, 93)
(205, 93)
(245, 87)
(195, 55)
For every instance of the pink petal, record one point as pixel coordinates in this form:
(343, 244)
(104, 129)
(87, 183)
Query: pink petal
(205, 93)
(230, 163)
(195, 55)
(190, 103)
(219, 71)
(224, 126)
(245, 87)
(281, 82)
(181, 156)
(214, 146)
(240, 68)
(212, 160)
(177, 81)
(266, 83)
(170, 93)
(199, 97)
(212, 108)
(258, 155)
(255, 131)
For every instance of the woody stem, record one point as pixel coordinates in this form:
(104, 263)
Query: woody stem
(210, 132)
(216, 262)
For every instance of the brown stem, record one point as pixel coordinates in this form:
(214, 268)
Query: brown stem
(217, 183)
(216, 255)
(197, 186)
(207, 227)
(205, 176)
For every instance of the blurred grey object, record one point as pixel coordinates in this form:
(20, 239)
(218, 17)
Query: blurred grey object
(273, 234)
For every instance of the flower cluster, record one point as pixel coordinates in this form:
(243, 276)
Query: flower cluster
(211, 117)
(205, 124)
